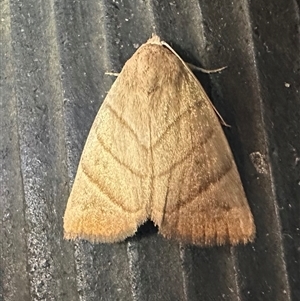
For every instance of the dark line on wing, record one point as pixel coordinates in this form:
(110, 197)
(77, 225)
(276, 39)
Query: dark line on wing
(177, 119)
(106, 191)
(108, 150)
(188, 155)
(125, 124)
(205, 187)
(166, 199)
(179, 162)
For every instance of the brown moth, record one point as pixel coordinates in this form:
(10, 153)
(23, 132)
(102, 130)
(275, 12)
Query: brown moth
(156, 150)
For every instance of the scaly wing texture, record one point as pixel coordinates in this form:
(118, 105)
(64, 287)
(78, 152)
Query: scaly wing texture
(196, 189)
(110, 194)
(156, 150)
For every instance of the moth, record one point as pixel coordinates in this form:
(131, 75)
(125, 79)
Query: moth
(157, 151)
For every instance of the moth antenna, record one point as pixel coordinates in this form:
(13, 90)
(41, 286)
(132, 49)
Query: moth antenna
(112, 73)
(208, 71)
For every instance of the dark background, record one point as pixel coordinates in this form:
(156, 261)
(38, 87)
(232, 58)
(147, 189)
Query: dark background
(54, 55)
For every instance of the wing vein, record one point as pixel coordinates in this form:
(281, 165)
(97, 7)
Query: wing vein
(104, 190)
(109, 151)
(169, 126)
(125, 124)
(203, 188)
(211, 133)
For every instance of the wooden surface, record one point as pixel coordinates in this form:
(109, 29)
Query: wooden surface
(54, 55)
